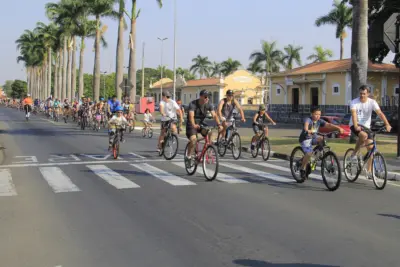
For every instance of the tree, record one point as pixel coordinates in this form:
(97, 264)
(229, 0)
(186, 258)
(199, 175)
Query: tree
(269, 57)
(341, 17)
(7, 87)
(18, 89)
(120, 48)
(215, 69)
(229, 66)
(320, 54)
(292, 55)
(201, 66)
(185, 73)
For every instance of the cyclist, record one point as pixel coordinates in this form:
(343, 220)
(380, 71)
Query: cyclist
(361, 110)
(27, 102)
(112, 104)
(168, 109)
(198, 110)
(259, 120)
(57, 106)
(147, 119)
(117, 121)
(308, 136)
(226, 109)
(66, 109)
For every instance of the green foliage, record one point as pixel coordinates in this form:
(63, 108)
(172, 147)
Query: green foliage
(7, 87)
(18, 89)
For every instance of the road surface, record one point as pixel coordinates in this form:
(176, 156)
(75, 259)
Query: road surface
(65, 202)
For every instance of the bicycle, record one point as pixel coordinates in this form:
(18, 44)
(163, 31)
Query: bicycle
(361, 161)
(231, 140)
(147, 131)
(207, 155)
(263, 143)
(116, 142)
(170, 139)
(97, 122)
(320, 152)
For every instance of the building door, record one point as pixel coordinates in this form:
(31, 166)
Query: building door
(314, 96)
(295, 99)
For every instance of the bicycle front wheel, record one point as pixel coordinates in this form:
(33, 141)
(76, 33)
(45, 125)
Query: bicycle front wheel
(221, 145)
(330, 165)
(379, 171)
(171, 147)
(210, 163)
(296, 159)
(265, 149)
(190, 165)
(236, 146)
(150, 133)
(116, 149)
(351, 170)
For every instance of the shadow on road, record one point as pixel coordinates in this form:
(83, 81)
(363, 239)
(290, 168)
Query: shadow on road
(257, 263)
(389, 215)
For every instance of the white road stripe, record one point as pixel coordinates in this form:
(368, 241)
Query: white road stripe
(220, 176)
(285, 169)
(58, 180)
(258, 173)
(7, 187)
(162, 175)
(137, 155)
(113, 178)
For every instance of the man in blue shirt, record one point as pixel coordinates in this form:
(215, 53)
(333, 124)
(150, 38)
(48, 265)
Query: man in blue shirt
(112, 104)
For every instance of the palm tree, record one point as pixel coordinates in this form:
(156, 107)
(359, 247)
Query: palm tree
(120, 49)
(341, 17)
(269, 56)
(132, 52)
(229, 66)
(185, 73)
(292, 55)
(320, 54)
(256, 68)
(201, 65)
(215, 69)
(99, 9)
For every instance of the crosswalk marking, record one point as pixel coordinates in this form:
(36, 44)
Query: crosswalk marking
(7, 187)
(113, 178)
(262, 174)
(220, 176)
(57, 180)
(162, 175)
(285, 169)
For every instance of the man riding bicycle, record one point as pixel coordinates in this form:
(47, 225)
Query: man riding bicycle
(198, 111)
(27, 102)
(168, 109)
(225, 111)
(361, 110)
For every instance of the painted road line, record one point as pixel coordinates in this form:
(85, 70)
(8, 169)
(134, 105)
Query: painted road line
(162, 175)
(258, 173)
(57, 180)
(220, 176)
(7, 187)
(136, 155)
(113, 178)
(284, 169)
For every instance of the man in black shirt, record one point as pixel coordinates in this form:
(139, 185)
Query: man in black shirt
(197, 113)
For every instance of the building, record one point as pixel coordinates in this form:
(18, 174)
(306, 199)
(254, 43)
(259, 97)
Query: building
(328, 85)
(247, 88)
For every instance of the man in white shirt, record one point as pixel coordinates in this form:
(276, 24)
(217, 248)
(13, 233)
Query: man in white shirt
(361, 110)
(168, 109)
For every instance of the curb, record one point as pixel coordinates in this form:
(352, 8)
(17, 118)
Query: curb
(392, 176)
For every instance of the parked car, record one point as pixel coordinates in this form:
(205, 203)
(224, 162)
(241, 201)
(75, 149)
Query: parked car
(336, 121)
(376, 122)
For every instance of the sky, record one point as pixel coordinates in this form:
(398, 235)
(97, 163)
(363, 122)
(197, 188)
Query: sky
(215, 28)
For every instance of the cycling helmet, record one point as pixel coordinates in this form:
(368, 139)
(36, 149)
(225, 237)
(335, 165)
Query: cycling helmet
(28, 94)
(119, 108)
(229, 93)
(101, 98)
(261, 107)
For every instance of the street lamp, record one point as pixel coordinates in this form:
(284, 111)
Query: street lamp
(174, 50)
(162, 43)
(104, 83)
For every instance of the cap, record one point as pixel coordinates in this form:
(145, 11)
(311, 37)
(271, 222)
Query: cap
(166, 93)
(229, 93)
(261, 107)
(204, 92)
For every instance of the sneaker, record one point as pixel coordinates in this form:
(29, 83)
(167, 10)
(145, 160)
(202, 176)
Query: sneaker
(354, 159)
(369, 175)
(303, 174)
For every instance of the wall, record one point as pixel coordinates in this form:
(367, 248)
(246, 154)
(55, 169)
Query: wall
(243, 80)
(192, 93)
(278, 82)
(335, 79)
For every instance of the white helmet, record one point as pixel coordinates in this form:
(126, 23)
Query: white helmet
(28, 94)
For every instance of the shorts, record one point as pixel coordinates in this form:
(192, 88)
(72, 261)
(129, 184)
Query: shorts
(257, 128)
(190, 131)
(28, 107)
(307, 144)
(370, 136)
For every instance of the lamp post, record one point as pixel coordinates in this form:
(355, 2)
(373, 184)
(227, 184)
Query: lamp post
(162, 43)
(174, 50)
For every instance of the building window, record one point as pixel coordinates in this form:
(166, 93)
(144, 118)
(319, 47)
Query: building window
(190, 97)
(184, 99)
(196, 95)
(396, 90)
(336, 89)
(278, 90)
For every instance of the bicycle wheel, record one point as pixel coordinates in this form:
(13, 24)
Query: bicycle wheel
(190, 165)
(236, 146)
(221, 145)
(116, 148)
(210, 157)
(379, 168)
(265, 149)
(351, 170)
(254, 152)
(143, 132)
(327, 167)
(295, 164)
(150, 133)
(169, 150)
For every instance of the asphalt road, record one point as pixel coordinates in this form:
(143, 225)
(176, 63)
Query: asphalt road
(65, 202)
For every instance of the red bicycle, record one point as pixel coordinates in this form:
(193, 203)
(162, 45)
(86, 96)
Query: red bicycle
(207, 156)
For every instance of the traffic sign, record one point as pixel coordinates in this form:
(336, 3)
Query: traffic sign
(389, 32)
(126, 84)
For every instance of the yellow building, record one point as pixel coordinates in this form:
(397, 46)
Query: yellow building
(247, 88)
(328, 85)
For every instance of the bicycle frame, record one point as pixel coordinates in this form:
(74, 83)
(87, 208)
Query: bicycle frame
(207, 142)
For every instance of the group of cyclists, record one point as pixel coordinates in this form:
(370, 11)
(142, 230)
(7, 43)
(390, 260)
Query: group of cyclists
(200, 109)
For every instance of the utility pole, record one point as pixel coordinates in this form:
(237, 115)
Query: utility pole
(397, 62)
(174, 95)
(162, 43)
(143, 70)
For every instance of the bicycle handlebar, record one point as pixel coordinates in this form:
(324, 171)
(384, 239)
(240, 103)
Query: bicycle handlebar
(368, 130)
(322, 134)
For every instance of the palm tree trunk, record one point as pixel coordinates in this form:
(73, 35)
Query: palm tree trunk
(65, 55)
(49, 72)
(96, 70)
(60, 73)
(68, 94)
(29, 75)
(132, 53)
(45, 70)
(73, 74)
(120, 51)
(55, 92)
(82, 51)
(341, 47)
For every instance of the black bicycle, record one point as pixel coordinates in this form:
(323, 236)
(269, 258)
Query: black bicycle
(321, 153)
(379, 170)
(170, 140)
(116, 142)
(262, 143)
(231, 140)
